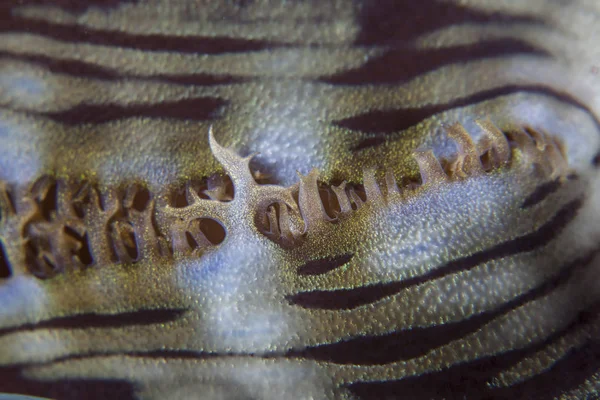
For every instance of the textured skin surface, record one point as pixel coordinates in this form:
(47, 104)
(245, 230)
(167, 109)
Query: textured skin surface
(476, 276)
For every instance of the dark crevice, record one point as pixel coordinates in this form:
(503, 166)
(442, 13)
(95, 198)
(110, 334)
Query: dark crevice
(45, 192)
(471, 380)
(262, 172)
(93, 320)
(89, 70)
(352, 298)
(195, 109)
(329, 200)
(219, 182)
(178, 197)
(5, 269)
(212, 230)
(388, 22)
(7, 203)
(129, 241)
(37, 264)
(230, 188)
(409, 62)
(412, 343)
(71, 232)
(265, 225)
(487, 160)
(83, 253)
(324, 265)
(380, 125)
(191, 242)
(361, 195)
(78, 206)
(49, 266)
(116, 38)
(141, 199)
(541, 192)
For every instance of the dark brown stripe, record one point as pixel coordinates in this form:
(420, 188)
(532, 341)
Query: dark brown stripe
(324, 265)
(351, 298)
(541, 192)
(194, 109)
(387, 22)
(82, 69)
(153, 354)
(383, 125)
(400, 65)
(73, 6)
(146, 42)
(13, 381)
(474, 380)
(566, 375)
(93, 320)
(412, 343)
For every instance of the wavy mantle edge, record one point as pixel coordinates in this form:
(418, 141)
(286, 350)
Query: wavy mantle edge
(53, 225)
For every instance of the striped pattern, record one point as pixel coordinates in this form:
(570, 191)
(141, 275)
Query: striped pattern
(481, 286)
